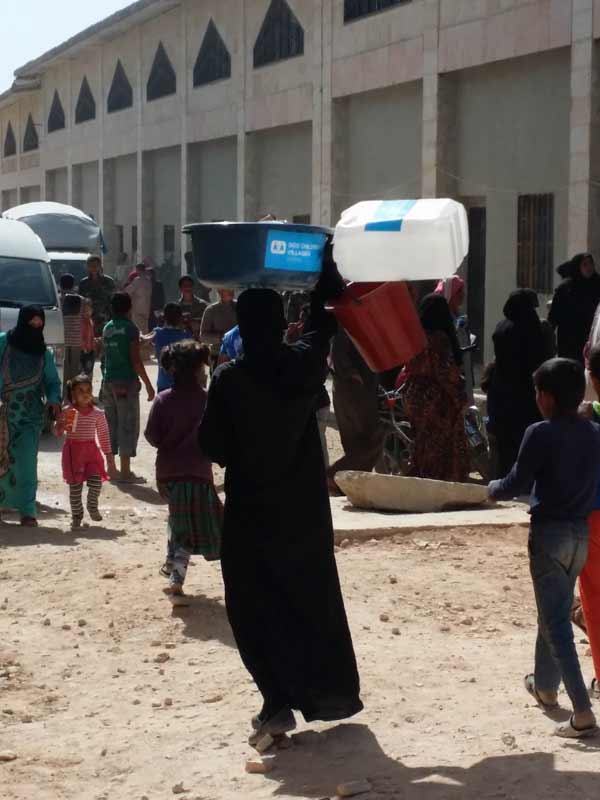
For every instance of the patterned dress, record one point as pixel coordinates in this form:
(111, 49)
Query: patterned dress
(434, 402)
(26, 383)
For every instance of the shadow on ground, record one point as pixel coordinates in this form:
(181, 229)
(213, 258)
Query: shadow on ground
(144, 494)
(13, 535)
(205, 619)
(318, 762)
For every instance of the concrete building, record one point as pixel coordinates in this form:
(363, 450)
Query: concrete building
(172, 111)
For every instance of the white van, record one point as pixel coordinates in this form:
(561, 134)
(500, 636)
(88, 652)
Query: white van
(26, 279)
(68, 234)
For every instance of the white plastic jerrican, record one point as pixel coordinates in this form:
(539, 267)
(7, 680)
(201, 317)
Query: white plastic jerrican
(397, 240)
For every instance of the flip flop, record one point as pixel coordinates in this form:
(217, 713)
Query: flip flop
(529, 682)
(569, 731)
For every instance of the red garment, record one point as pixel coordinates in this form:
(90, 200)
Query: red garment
(87, 335)
(82, 460)
(589, 585)
(81, 456)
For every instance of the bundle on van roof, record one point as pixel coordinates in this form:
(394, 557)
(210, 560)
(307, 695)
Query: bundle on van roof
(60, 226)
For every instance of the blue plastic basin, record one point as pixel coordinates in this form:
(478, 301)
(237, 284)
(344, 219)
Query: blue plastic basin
(275, 255)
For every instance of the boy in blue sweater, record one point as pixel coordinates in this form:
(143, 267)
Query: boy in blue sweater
(560, 458)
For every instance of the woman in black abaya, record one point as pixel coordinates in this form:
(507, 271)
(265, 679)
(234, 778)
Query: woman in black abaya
(282, 590)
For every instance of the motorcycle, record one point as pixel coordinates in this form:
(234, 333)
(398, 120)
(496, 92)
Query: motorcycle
(398, 437)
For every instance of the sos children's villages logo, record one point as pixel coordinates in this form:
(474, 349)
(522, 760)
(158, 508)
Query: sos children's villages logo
(278, 247)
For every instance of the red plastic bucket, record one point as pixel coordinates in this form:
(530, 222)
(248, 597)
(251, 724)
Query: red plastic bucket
(383, 323)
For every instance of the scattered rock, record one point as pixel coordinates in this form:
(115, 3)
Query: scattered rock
(47, 622)
(396, 631)
(393, 579)
(156, 705)
(353, 787)
(445, 628)
(179, 788)
(66, 627)
(509, 740)
(108, 575)
(104, 751)
(82, 623)
(260, 766)
(384, 618)
(168, 701)
(467, 621)
(7, 755)
(216, 698)
(161, 658)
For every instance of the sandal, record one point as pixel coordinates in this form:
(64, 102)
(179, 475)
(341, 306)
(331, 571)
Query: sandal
(569, 731)
(29, 522)
(594, 689)
(529, 683)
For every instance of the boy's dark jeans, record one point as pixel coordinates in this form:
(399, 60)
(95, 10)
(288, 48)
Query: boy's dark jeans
(557, 554)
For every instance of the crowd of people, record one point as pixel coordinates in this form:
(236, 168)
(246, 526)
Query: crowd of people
(263, 418)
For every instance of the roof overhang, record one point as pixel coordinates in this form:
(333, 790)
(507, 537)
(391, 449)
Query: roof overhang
(28, 77)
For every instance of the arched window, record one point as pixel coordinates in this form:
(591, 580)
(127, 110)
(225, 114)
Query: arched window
(85, 110)
(213, 62)
(355, 9)
(281, 35)
(162, 80)
(30, 140)
(120, 95)
(56, 117)
(10, 143)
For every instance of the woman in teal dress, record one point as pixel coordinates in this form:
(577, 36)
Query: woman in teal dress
(29, 382)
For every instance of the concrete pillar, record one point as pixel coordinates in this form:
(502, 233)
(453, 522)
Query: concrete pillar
(77, 183)
(336, 191)
(431, 128)
(326, 174)
(140, 163)
(108, 215)
(100, 117)
(183, 104)
(69, 116)
(319, 11)
(583, 68)
(242, 178)
(146, 243)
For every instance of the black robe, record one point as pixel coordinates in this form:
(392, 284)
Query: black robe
(520, 348)
(282, 590)
(572, 313)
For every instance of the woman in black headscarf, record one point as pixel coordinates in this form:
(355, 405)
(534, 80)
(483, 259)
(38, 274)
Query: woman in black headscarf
(282, 590)
(519, 349)
(434, 398)
(574, 305)
(28, 382)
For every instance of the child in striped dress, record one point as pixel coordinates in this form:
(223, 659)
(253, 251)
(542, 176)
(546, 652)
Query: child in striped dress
(82, 459)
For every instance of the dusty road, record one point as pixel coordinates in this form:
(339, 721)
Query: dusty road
(106, 693)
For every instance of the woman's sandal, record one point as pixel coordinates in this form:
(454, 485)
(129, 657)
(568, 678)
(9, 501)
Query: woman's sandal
(529, 683)
(569, 731)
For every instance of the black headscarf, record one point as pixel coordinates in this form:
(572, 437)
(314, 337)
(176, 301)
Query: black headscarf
(25, 338)
(572, 269)
(435, 315)
(521, 307)
(262, 322)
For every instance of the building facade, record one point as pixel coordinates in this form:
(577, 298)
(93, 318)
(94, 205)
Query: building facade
(176, 111)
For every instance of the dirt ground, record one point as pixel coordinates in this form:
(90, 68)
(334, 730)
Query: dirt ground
(107, 693)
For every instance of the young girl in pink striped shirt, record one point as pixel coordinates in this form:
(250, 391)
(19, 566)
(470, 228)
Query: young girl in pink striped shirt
(82, 459)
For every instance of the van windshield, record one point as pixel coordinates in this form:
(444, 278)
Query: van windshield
(78, 269)
(26, 282)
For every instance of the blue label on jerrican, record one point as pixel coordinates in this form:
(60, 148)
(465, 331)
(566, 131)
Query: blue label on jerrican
(390, 215)
(297, 252)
